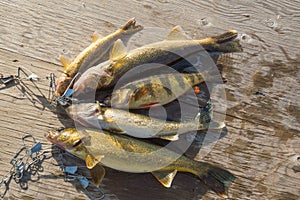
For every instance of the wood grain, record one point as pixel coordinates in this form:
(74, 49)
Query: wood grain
(262, 141)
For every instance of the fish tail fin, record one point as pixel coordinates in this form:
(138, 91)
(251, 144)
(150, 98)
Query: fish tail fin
(227, 42)
(225, 37)
(217, 179)
(231, 46)
(131, 26)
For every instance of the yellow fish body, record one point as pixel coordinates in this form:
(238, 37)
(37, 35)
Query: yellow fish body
(156, 90)
(131, 155)
(95, 53)
(166, 52)
(136, 125)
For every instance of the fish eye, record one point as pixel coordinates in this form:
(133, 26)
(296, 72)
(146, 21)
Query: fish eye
(60, 129)
(63, 137)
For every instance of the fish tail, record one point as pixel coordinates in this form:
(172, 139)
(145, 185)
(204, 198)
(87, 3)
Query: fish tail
(130, 25)
(227, 42)
(217, 179)
(225, 37)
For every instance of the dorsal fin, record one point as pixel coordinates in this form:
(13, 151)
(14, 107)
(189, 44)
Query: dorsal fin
(165, 177)
(65, 61)
(118, 51)
(177, 33)
(96, 36)
(91, 161)
(97, 173)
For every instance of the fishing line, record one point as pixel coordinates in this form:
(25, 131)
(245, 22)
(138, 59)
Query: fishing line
(28, 161)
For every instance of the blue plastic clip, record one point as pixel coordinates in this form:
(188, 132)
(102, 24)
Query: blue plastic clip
(68, 93)
(71, 169)
(37, 147)
(84, 182)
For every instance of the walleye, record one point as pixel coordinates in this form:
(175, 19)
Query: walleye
(175, 48)
(156, 90)
(136, 125)
(94, 54)
(131, 155)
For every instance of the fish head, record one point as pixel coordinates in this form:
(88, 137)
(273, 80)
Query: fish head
(62, 84)
(84, 109)
(70, 140)
(86, 82)
(67, 139)
(85, 113)
(91, 80)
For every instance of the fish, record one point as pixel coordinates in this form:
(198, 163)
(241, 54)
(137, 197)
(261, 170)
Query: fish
(136, 125)
(167, 52)
(97, 52)
(127, 154)
(156, 90)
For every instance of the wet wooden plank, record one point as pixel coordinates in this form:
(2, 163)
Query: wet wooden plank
(262, 140)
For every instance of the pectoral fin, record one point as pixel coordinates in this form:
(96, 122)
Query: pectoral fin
(165, 177)
(65, 61)
(91, 161)
(170, 137)
(177, 33)
(96, 36)
(209, 125)
(140, 92)
(118, 51)
(97, 173)
(216, 125)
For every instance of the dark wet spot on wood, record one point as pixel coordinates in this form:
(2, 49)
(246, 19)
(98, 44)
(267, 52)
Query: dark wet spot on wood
(259, 93)
(163, 1)
(147, 6)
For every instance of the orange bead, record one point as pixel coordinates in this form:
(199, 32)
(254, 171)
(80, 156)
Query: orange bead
(197, 90)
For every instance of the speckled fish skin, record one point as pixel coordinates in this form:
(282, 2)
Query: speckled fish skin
(155, 90)
(168, 51)
(164, 52)
(133, 124)
(95, 53)
(131, 155)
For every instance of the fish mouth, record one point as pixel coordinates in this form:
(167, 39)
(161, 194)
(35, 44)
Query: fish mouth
(85, 114)
(61, 85)
(53, 134)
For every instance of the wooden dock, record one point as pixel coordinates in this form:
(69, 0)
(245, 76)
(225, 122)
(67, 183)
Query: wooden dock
(262, 143)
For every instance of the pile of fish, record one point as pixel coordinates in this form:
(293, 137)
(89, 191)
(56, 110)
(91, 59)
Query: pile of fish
(111, 123)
